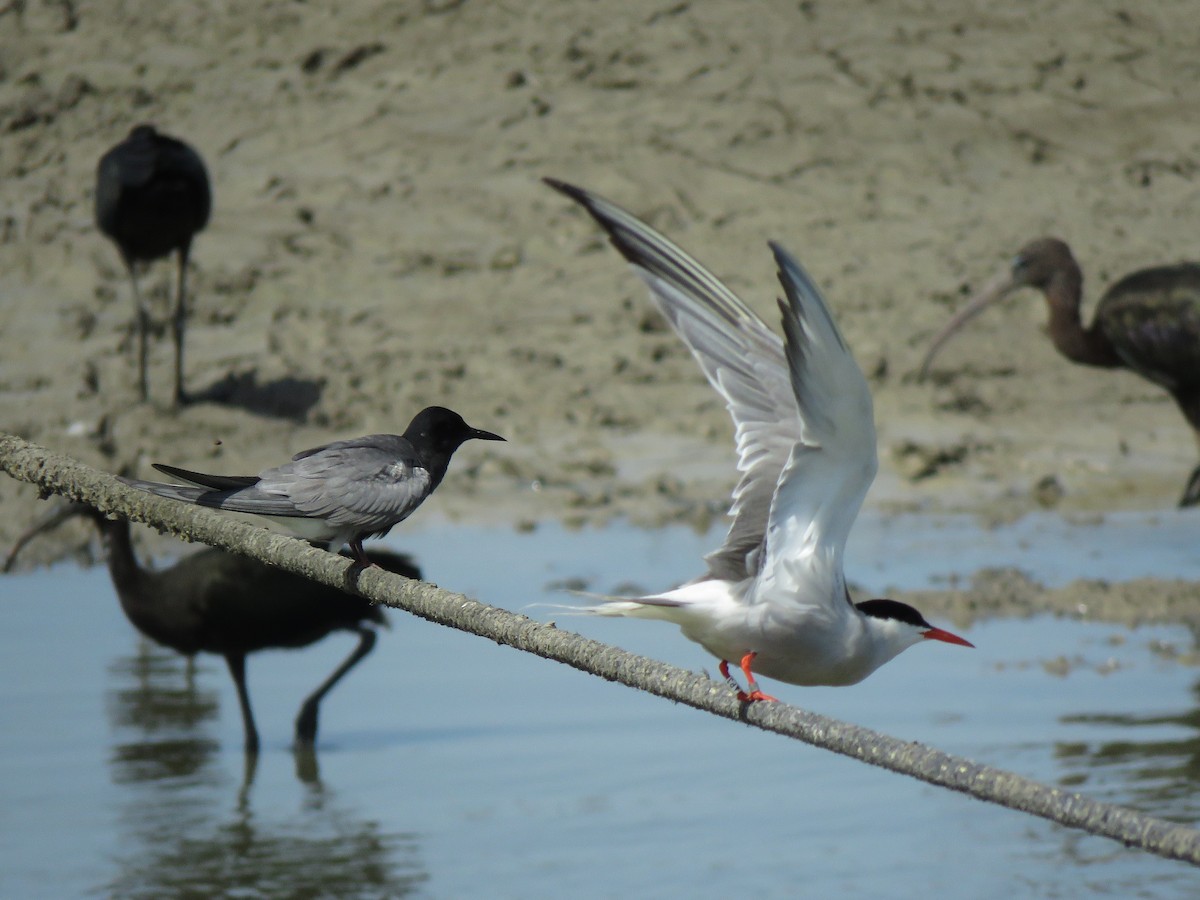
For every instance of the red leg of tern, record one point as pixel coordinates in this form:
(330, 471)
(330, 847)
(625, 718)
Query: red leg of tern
(754, 694)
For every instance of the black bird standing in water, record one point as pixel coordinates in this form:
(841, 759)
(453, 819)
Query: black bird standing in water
(342, 492)
(152, 198)
(1148, 323)
(230, 605)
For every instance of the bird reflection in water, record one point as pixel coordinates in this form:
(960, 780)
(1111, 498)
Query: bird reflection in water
(218, 602)
(156, 702)
(179, 836)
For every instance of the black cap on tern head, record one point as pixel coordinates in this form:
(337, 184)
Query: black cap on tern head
(902, 612)
(444, 429)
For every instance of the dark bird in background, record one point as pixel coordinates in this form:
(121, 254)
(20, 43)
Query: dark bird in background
(230, 605)
(1148, 323)
(152, 198)
(342, 492)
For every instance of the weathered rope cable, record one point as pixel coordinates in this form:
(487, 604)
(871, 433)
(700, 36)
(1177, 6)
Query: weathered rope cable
(58, 474)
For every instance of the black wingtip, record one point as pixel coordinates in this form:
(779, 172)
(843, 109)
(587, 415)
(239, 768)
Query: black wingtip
(578, 194)
(611, 217)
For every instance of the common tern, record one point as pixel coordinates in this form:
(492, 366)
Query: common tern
(774, 599)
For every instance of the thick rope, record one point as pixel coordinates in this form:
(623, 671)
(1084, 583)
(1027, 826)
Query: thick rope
(58, 474)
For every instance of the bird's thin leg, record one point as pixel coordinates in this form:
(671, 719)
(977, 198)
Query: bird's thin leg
(179, 323)
(729, 680)
(306, 722)
(362, 562)
(143, 327)
(360, 554)
(752, 692)
(1191, 492)
(237, 668)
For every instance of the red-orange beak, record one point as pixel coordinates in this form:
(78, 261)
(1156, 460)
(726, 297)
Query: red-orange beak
(937, 634)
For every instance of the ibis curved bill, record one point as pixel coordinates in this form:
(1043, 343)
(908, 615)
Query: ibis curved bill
(1148, 322)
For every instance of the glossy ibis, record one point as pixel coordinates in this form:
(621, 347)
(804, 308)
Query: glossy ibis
(152, 198)
(218, 602)
(341, 492)
(1148, 322)
(774, 598)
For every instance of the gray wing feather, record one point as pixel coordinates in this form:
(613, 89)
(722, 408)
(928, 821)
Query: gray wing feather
(246, 500)
(368, 484)
(740, 356)
(362, 485)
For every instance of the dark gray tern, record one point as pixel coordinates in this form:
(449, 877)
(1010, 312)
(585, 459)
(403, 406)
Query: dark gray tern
(340, 493)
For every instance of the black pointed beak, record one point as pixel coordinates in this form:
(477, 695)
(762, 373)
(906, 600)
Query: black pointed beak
(480, 435)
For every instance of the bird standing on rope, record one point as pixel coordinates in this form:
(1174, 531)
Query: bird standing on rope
(231, 605)
(774, 598)
(342, 492)
(152, 198)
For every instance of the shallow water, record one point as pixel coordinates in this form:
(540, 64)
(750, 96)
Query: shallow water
(450, 767)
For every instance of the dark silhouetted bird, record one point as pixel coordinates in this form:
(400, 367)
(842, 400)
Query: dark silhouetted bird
(218, 602)
(152, 198)
(342, 492)
(1148, 323)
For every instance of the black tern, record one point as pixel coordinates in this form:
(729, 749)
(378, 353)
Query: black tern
(774, 597)
(152, 198)
(342, 492)
(231, 605)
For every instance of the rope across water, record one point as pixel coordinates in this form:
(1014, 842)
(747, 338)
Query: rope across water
(58, 474)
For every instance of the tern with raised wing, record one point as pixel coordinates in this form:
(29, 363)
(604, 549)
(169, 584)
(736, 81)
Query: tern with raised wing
(340, 493)
(774, 599)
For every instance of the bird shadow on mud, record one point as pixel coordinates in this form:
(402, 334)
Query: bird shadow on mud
(284, 398)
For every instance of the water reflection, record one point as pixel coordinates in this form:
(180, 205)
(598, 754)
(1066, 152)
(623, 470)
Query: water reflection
(457, 765)
(189, 826)
(161, 694)
(217, 602)
(1153, 766)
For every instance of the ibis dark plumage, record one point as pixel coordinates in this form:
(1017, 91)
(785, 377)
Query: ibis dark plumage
(152, 198)
(230, 605)
(1148, 323)
(341, 492)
